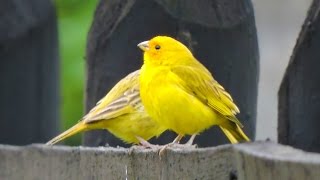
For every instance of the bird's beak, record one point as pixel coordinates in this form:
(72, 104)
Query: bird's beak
(144, 46)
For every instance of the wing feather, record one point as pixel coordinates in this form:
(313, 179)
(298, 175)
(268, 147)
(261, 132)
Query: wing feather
(198, 81)
(122, 99)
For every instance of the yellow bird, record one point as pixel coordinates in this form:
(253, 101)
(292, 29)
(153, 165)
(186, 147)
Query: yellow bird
(179, 93)
(121, 113)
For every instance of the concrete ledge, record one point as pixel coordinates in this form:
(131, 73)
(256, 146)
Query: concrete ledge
(244, 161)
(274, 161)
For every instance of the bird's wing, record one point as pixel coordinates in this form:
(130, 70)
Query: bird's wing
(199, 82)
(122, 99)
(125, 104)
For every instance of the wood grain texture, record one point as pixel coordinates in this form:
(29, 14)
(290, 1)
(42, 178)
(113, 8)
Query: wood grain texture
(29, 93)
(250, 161)
(299, 94)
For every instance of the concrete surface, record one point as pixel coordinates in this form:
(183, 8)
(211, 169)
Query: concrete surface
(259, 160)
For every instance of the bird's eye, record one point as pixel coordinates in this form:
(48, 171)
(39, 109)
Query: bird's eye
(157, 47)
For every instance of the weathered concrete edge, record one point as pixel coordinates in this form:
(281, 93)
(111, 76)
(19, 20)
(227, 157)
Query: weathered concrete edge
(247, 160)
(274, 151)
(259, 149)
(62, 162)
(273, 161)
(263, 150)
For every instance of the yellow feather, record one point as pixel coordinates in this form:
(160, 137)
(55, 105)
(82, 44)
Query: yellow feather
(179, 93)
(120, 112)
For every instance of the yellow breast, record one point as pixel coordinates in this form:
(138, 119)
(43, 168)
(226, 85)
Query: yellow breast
(180, 111)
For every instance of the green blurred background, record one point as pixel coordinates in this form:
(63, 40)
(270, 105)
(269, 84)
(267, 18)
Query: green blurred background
(74, 20)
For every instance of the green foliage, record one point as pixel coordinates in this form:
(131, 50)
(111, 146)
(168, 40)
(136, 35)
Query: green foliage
(74, 20)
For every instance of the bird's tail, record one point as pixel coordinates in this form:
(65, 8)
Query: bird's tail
(71, 131)
(233, 132)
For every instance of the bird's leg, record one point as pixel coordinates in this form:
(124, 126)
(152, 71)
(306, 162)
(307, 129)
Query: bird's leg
(189, 144)
(146, 144)
(175, 141)
(190, 141)
(143, 144)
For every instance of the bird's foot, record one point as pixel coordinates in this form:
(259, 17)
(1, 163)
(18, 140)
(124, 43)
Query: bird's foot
(164, 147)
(176, 144)
(175, 141)
(147, 145)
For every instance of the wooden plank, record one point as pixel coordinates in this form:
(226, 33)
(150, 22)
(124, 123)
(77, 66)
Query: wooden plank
(250, 161)
(42, 162)
(299, 94)
(268, 161)
(29, 93)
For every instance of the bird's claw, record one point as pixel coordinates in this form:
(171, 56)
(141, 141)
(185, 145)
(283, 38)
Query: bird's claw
(176, 146)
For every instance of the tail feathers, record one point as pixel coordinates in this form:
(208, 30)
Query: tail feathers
(234, 133)
(70, 132)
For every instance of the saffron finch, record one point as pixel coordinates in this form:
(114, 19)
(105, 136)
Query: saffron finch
(179, 93)
(121, 113)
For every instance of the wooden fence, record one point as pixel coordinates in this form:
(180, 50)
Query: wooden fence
(259, 160)
(29, 98)
(232, 53)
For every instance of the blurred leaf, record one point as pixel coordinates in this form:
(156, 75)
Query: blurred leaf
(74, 20)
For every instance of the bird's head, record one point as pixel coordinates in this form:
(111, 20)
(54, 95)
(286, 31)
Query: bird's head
(163, 50)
